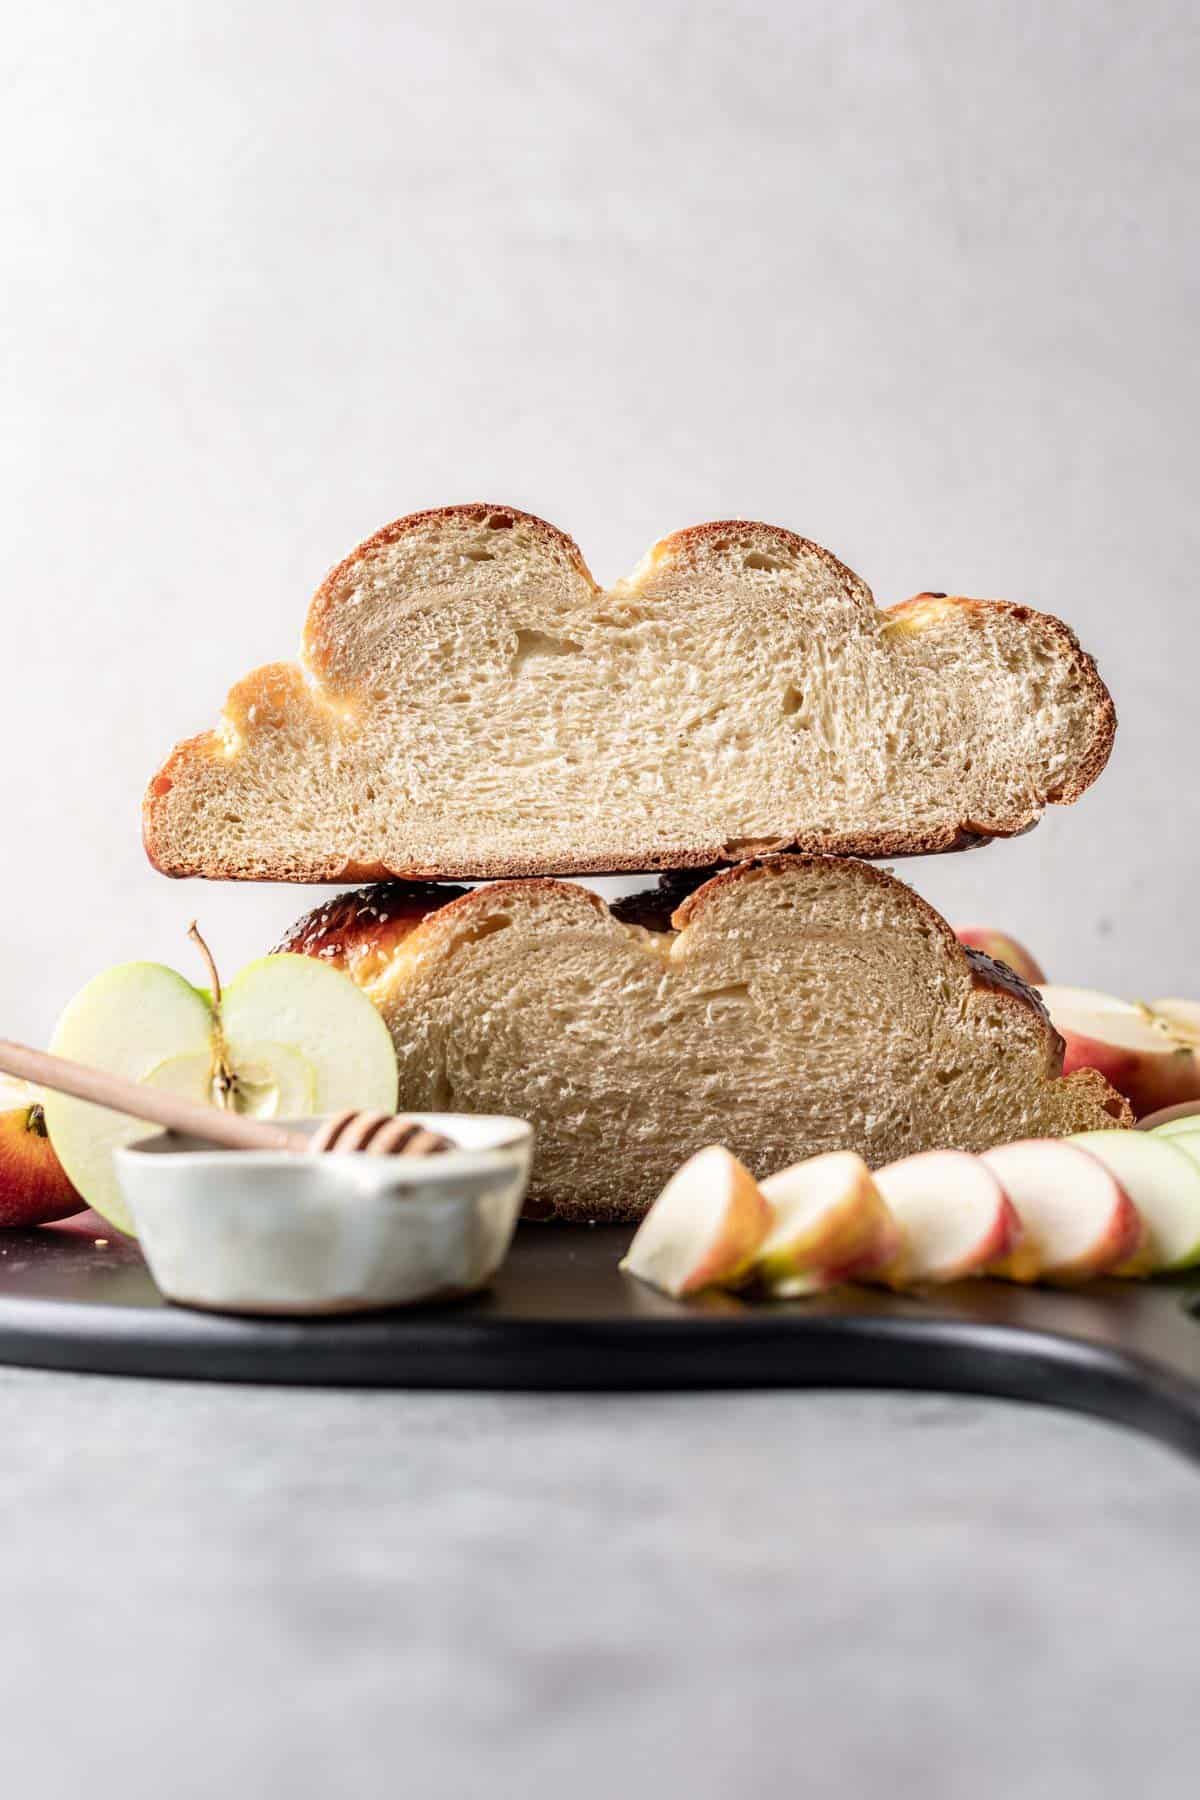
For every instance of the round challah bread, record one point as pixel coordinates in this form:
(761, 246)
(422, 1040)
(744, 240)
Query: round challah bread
(470, 704)
(786, 1007)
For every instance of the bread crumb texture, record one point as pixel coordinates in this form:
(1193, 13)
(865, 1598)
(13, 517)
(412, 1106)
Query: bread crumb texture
(786, 1007)
(468, 703)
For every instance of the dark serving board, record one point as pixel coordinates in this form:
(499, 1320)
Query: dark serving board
(561, 1316)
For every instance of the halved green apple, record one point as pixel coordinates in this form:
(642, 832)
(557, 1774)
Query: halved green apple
(288, 1038)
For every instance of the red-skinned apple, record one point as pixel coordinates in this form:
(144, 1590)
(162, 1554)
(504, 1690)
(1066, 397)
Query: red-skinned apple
(1151, 1054)
(33, 1186)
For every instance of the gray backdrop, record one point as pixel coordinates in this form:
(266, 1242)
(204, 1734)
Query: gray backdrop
(913, 278)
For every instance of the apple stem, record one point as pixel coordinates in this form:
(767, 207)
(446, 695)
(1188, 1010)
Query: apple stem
(224, 1082)
(206, 953)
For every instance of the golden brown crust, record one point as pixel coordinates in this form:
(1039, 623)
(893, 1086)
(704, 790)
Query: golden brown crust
(1104, 712)
(470, 512)
(474, 512)
(680, 544)
(270, 686)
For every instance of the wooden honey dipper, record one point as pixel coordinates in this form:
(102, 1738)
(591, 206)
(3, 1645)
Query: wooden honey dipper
(373, 1133)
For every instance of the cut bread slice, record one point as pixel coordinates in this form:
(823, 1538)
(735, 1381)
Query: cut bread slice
(469, 703)
(788, 1007)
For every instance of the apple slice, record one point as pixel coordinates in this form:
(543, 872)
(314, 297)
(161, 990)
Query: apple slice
(1076, 1218)
(955, 1216)
(1187, 1142)
(1001, 948)
(1163, 1181)
(830, 1225)
(289, 1038)
(1150, 1056)
(704, 1228)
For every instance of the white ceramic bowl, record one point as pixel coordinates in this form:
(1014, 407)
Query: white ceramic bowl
(265, 1232)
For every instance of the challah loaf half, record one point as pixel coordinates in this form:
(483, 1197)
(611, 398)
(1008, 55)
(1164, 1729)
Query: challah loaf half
(786, 1007)
(468, 703)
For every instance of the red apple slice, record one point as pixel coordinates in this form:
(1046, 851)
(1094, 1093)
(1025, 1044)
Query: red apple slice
(955, 1216)
(1162, 1178)
(1076, 1218)
(704, 1228)
(830, 1225)
(1001, 948)
(1151, 1056)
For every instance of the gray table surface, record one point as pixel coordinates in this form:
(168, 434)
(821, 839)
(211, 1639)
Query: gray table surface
(255, 1592)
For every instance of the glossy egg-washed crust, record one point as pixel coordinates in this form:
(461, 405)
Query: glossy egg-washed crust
(362, 932)
(269, 688)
